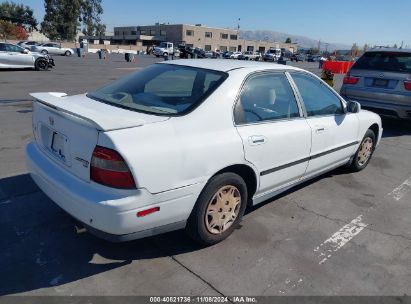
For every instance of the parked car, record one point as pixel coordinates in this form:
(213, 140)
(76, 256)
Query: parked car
(14, 57)
(235, 55)
(250, 56)
(28, 44)
(227, 55)
(189, 52)
(212, 54)
(52, 49)
(233, 132)
(272, 55)
(381, 81)
(297, 57)
(164, 49)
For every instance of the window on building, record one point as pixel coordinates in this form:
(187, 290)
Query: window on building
(142, 32)
(152, 32)
(208, 34)
(189, 32)
(133, 32)
(163, 33)
(233, 37)
(223, 48)
(190, 45)
(116, 33)
(207, 47)
(233, 49)
(223, 36)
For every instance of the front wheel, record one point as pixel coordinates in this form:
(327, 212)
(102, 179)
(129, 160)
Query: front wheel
(41, 64)
(44, 52)
(67, 53)
(365, 150)
(218, 210)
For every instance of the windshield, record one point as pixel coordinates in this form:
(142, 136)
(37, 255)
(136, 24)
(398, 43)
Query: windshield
(387, 61)
(162, 89)
(163, 45)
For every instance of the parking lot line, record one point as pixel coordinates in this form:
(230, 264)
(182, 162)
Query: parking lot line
(399, 192)
(339, 239)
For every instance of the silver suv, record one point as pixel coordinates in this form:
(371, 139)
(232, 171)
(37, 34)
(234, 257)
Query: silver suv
(381, 81)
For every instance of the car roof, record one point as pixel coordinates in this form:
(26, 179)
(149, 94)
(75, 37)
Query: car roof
(384, 49)
(225, 65)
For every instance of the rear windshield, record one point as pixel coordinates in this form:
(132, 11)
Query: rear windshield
(162, 89)
(387, 61)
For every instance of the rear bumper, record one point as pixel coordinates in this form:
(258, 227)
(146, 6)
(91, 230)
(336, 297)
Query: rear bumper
(386, 108)
(110, 213)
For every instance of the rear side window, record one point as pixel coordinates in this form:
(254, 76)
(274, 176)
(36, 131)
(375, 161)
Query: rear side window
(266, 97)
(386, 61)
(161, 89)
(318, 99)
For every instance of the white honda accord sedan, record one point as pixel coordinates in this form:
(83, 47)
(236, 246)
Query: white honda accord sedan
(190, 144)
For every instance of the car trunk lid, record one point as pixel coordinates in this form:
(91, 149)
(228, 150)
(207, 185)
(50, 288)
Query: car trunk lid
(379, 86)
(66, 128)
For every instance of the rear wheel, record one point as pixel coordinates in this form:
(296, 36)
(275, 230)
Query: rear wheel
(365, 150)
(218, 210)
(44, 52)
(41, 64)
(67, 53)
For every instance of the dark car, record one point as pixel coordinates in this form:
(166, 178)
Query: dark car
(189, 52)
(380, 80)
(297, 57)
(227, 55)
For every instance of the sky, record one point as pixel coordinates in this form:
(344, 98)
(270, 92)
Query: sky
(375, 22)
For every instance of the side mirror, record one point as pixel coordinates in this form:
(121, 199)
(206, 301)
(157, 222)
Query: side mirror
(25, 51)
(353, 106)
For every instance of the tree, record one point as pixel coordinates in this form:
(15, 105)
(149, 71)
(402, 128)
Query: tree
(288, 40)
(91, 11)
(18, 14)
(9, 30)
(63, 18)
(365, 48)
(354, 50)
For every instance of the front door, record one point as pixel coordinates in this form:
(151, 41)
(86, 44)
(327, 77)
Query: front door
(334, 132)
(16, 56)
(276, 138)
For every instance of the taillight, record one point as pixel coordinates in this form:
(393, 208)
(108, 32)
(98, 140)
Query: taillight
(350, 79)
(110, 169)
(407, 85)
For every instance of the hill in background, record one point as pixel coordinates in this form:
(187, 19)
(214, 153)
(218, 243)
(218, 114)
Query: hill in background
(302, 41)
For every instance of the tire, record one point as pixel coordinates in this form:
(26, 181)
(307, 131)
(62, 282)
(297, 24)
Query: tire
(165, 54)
(364, 152)
(207, 230)
(41, 64)
(44, 52)
(67, 53)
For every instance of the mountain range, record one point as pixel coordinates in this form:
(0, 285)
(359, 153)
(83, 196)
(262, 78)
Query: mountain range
(302, 41)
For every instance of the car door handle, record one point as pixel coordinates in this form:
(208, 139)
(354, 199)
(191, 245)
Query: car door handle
(319, 129)
(257, 140)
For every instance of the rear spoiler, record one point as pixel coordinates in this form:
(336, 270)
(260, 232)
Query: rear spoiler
(97, 114)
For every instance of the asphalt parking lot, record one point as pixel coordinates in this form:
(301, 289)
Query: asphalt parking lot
(340, 234)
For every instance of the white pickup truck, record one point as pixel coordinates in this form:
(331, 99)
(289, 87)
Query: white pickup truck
(164, 49)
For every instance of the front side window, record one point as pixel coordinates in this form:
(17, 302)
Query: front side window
(266, 97)
(161, 89)
(13, 48)
(318, 99)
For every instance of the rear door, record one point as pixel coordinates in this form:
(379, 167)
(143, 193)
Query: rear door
(381, 78)
(276, 138)
(334, 132)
